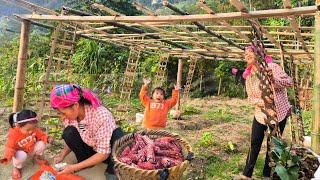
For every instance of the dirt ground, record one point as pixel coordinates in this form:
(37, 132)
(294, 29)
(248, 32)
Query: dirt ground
(228, 121)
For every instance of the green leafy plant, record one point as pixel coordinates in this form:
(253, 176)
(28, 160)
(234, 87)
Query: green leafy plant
(190, 110)
(307, 119)
(220, 115)
(206, 140)
(231, 147)
(287, 164)
(56, 127)
(128, 127)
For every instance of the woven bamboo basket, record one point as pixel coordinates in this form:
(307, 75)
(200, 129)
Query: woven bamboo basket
(127, 172)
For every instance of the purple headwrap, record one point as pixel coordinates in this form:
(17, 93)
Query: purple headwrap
(65, 95)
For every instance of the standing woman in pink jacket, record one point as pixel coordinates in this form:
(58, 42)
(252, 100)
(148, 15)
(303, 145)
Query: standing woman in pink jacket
(280, 81)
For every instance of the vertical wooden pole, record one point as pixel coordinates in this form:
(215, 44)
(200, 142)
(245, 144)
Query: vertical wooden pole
(179, 77)
(282, 55)
(201, 78)
(219, 88)
(315, 138)
(22, 66)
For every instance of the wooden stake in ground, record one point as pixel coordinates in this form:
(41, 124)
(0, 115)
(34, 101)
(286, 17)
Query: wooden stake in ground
(282, 56)
(179, 77)
(315, 139)
(219, 88)
(22, 66)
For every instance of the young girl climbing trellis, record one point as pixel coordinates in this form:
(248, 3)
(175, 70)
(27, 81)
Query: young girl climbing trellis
(157, 107)
(24, 139)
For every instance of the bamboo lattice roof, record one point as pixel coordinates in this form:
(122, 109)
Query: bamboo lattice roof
(209, 36)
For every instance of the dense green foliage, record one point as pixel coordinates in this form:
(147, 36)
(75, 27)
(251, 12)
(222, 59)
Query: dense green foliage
(286, 163)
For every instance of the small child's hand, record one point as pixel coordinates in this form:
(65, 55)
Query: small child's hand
(176, 87)
(146, 81)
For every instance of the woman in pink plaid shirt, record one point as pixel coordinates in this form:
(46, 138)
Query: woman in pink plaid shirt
(90, 129)
(280, 81)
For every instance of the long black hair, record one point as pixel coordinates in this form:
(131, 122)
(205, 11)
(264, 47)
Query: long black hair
(22, 115)
(82, 100)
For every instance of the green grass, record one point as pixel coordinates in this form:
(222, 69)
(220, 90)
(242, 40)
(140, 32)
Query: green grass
(55, 127)
(112, 101)
(246, 108)
(220, 115)
(190, 110)
(219, 169)
(136, 104)
(216, 168)
(258, 170)
(206, 140)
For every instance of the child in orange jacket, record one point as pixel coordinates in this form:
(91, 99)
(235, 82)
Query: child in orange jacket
(24, 138)
(157, 108)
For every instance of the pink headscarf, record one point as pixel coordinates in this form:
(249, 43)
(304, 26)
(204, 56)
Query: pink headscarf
(65, 95)
(267, 58)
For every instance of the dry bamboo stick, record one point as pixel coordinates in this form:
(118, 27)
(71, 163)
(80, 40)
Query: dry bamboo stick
(315, 137)
(22, 66)
(180, 18)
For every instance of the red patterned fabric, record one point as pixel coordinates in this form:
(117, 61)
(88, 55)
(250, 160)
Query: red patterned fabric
(96, 128)
(280, 82)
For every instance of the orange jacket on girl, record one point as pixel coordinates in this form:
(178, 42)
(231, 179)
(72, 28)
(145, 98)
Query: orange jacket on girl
(18, 140)
(155, 115)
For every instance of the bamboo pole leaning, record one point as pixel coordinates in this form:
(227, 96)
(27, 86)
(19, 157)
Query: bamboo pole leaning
(22, 66)
(315, 137)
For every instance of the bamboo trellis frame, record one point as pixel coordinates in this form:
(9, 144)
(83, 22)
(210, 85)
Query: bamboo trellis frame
(178, 36)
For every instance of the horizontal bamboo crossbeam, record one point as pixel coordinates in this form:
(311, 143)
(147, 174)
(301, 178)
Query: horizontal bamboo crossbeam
(295, 27)
(180, 18)
(201, 26)
(185, 36)
(241, 7)
(197, 32)
(206, 42)
(203, 5)
(183, 29)
(223, 27)
(122, 26)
